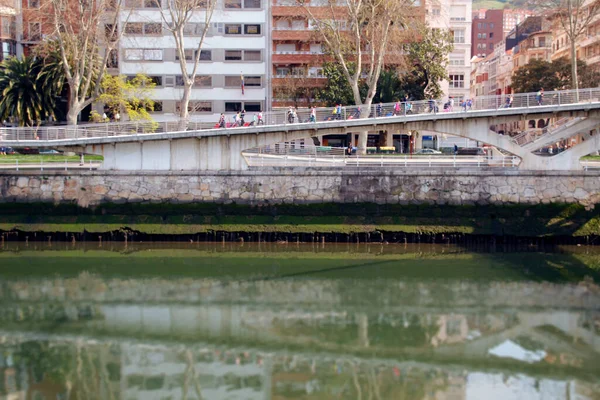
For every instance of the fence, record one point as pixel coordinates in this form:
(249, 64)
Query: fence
(320, 115)
(48, 165)
(298, 155)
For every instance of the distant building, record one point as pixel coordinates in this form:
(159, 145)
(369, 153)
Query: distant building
(491, 27)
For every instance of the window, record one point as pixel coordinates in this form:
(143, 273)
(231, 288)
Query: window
(252, 81)
(234, 81)
(459, 36)
(140, 28)
(196, 106)
(189, 54)
(252, 55)
(192, 29)
(205, 55)
(203, 81)
(457, 61)
(35, 31)
(233, 106)
(491, 25)
(233, 55)
(113, 59)
(142, 3)
(491, 35)
(252, 29)
(479, 25)
(457, 81)
(233, 29)
(483, 45)
(233, 3)
(484, 36)
(134, 28)
(252, 106)
(157, 80)
(436, 11)
(33, 3)
(479, 36)
(143, 54)
(252, 4)
(158, 107)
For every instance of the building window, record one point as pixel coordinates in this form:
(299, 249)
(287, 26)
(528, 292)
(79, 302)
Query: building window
(252, 81)
(157, 80)
(188, 53)
(33, 3)
(233, 55)
(203, 81)
(142, 3)
(35, 31)
(158, 107)
(491, 35)
(113, 59)
(233, 29)
(491, 25)
(252, 29)
(233, 106)
(252, 106)
(436, 11)
(479, 25)
(140, 28)
(459, 36)
(205, 55)
(484, 36)
(479, 36)
(233, 3)
(252, 4)
(457, 81)
(143, 54)
(252, 55)
(195, 106)
(194, 29)
(234, 81)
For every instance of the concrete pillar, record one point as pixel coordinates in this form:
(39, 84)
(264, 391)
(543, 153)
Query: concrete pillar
(389, 139)
(363, 329)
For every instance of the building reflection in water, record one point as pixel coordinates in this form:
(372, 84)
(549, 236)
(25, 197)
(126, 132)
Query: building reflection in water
(94, 336)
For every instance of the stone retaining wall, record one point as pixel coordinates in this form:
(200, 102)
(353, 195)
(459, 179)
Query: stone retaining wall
(303, 186)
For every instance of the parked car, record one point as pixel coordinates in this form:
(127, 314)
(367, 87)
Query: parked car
(471, 151)
(28, 150)
(428, 151)
(7, 150)
(49, 152)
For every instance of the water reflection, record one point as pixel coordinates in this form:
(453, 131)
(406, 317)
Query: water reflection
(298, 323)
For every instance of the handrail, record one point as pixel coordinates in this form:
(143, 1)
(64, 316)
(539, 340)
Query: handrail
(481, 103)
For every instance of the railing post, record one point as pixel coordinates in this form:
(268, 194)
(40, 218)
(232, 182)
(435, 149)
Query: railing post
(558, 98)
(405, 161)
(527, 97)
(65, 164)
(41, 164)
(429, 161)
(357, 158)
(382, 159)
(590, 100)
(17, 164)
(454, 161)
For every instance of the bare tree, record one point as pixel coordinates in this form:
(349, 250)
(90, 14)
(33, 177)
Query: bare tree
(362, 36)
(574, 17)
(86, 32)
(177, 16)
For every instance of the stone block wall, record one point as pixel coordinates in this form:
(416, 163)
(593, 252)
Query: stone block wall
(88, 188)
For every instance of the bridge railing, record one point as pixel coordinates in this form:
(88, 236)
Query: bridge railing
(318, 115)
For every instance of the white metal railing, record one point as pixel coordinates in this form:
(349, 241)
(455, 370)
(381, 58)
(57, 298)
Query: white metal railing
(297, 52)
(534, 134)
(44, 165)
(290, 155)
(284, 117)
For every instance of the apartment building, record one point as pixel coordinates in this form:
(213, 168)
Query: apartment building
(491, 26)
(8, 31)
(234, 49)
(455, 15)
(587, 46)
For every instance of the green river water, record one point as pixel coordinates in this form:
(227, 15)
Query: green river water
(295, 321)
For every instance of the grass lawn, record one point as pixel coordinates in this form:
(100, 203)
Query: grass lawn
(46, 158)
(590, 158)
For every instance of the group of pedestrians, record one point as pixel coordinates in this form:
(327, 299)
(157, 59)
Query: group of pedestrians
(400, 107)
(239, 119)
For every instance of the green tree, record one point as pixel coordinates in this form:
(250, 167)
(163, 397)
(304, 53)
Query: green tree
(131, 96)
(26, 95)
(556, 75)
(337, 89)
(429, 58)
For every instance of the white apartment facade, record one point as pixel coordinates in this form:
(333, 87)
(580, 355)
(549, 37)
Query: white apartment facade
(456, 16)
(235, 47)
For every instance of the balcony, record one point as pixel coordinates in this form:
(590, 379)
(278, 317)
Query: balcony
(589, 40)
(291, 33)
(593, 60)
(315, 80)
(290, 8)
(294, 57)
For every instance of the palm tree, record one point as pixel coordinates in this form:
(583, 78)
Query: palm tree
(25, 94)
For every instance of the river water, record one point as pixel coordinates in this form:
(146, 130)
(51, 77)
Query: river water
(287, 321)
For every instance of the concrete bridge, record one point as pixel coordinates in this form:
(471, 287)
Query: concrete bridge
(221, 148)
